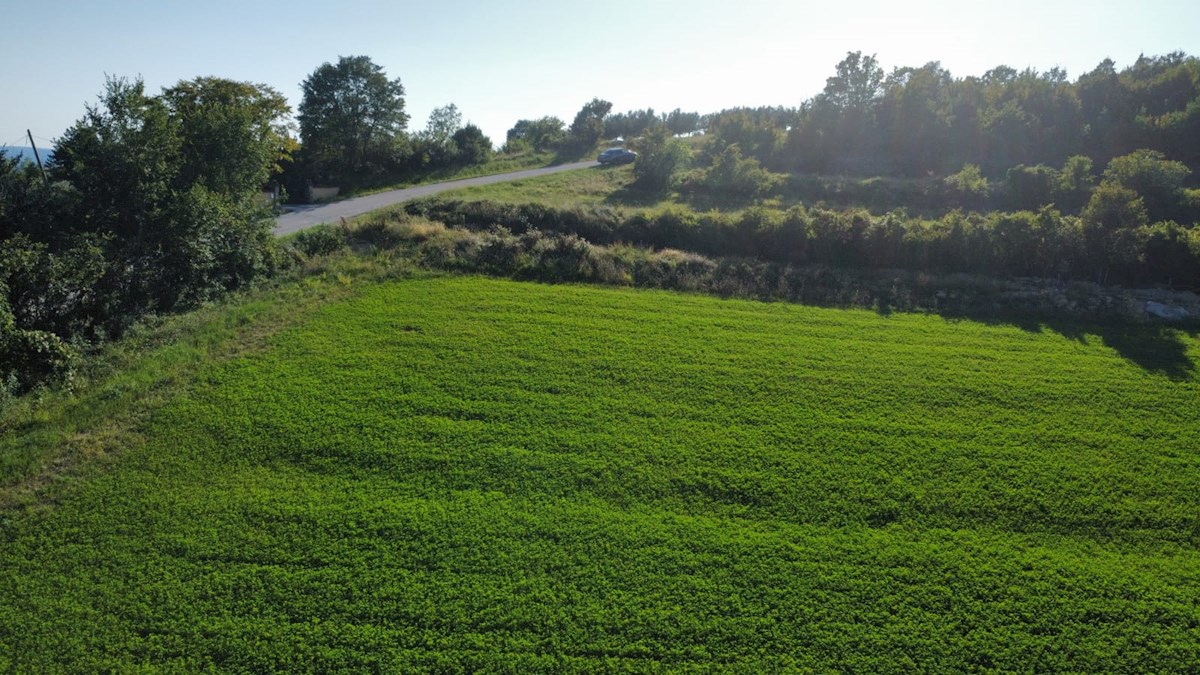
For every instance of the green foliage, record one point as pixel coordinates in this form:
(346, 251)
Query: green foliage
(1172, 252)
(153, 207)
(1031, 187)
(968, 187)
(350, 115)
(1110, 223)
(1045, 243)
(233, 135)
(922, 120)
(857, 84)
(1157, 180)
(680, 122)
(546, 133)
(588, 126)
(630, 125)
(471, 146)
(757, 133)
(466, 474)
(123, 159)
(319, 240)
(1075, 182)
(437, 138)
(29, 358)
(660, 158)
(66, 290)
(733, 175)
(182, 242)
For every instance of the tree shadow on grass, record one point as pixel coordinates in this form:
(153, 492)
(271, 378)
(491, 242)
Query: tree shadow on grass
(630, 195)
(1154, 347)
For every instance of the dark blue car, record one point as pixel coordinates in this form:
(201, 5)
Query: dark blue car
(616, 156)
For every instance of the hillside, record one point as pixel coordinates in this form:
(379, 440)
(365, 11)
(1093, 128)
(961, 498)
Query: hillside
(462, 473)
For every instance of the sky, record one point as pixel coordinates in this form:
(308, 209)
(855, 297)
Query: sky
(520, 59)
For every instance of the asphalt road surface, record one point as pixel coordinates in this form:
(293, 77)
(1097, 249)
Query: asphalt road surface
(299, 217)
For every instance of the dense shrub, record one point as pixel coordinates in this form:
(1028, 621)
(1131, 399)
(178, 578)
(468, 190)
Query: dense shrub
(731, 174)
(1157, 180)
(660, 157)
(30, 357)
(319, 240)
(152, 205)
(1111, 242)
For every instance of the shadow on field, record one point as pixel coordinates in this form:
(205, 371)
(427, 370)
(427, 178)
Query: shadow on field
(1155, 348)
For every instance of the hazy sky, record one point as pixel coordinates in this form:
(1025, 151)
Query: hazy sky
(504, 61)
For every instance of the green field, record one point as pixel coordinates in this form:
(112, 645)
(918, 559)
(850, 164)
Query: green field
(601, 185)
(464, 473)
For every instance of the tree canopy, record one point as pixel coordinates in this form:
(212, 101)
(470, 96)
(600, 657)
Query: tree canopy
(545, 133)
(588, 126)
(350, 114)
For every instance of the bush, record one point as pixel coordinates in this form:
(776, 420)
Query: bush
(730, 174)
(319, 240)
(968, 188)
(1153, 177)
(29, 358)
(660, 157)
(1030, 187)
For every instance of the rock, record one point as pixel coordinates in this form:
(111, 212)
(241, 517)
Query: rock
(1161, 311)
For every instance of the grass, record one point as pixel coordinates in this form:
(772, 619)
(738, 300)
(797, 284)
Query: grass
(587, 187)
(52, 438)
(459, 473)
(608, 186)
(360, 186)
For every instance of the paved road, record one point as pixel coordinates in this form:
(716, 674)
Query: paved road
(300, 217)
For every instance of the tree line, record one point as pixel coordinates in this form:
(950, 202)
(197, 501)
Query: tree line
(916, 121)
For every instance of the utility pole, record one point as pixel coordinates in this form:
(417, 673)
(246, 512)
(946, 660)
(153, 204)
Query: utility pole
(37, 157)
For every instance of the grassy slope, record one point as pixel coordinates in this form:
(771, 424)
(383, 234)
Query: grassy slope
(605, 185)
(365, 185)
(473, 473)
(49, 438)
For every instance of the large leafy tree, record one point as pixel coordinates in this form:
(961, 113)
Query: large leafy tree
(437, 138)
(232, 135)
(542, 134)
(588, 126)
(857, 84)
(1154, 178)
(349, 110)
(471, 146)
(156, 187)
(661, 157)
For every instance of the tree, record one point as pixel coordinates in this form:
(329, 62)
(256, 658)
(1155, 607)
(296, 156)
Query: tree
(731, 174)
(857, 83)
(680, 122)
(123, 158)
(543, 134)
(178, 229)
(758, 133)
(629, 124)
(588, 126)
(1152, 176)
(660, 157)
(1110, 222)
(349, 110)
(436, 139)
(233, 135)
(471, 145)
